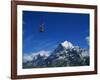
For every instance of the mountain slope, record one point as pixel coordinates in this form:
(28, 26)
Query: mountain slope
(66, 54)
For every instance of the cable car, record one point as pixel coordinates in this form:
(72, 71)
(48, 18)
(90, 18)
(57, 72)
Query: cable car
(41, 28)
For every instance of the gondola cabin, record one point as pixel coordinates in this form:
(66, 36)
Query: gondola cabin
(41, 28)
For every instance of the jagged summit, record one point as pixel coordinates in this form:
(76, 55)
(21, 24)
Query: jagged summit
(65, 54)
(41, 53)
(67, 44)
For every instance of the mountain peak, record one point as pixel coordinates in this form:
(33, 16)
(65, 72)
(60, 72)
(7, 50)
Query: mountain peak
(66, 54)
(43, 53)
(67, 44)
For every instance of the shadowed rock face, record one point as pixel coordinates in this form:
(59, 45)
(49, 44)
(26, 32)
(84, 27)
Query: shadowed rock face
(64, 55)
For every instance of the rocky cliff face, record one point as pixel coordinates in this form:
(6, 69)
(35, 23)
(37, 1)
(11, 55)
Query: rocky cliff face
(66, 54)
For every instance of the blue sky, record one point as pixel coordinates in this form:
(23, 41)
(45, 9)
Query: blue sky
(73, 27)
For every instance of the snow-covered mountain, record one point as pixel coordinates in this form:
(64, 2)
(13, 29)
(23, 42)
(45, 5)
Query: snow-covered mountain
(35, 59)
(67, 44)
(66, 54)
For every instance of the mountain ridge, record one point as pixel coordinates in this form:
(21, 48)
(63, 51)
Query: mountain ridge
(66, 54)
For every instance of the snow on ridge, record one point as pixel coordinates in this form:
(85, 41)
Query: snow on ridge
(29, 57)
(41, 53)
(67, 44)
